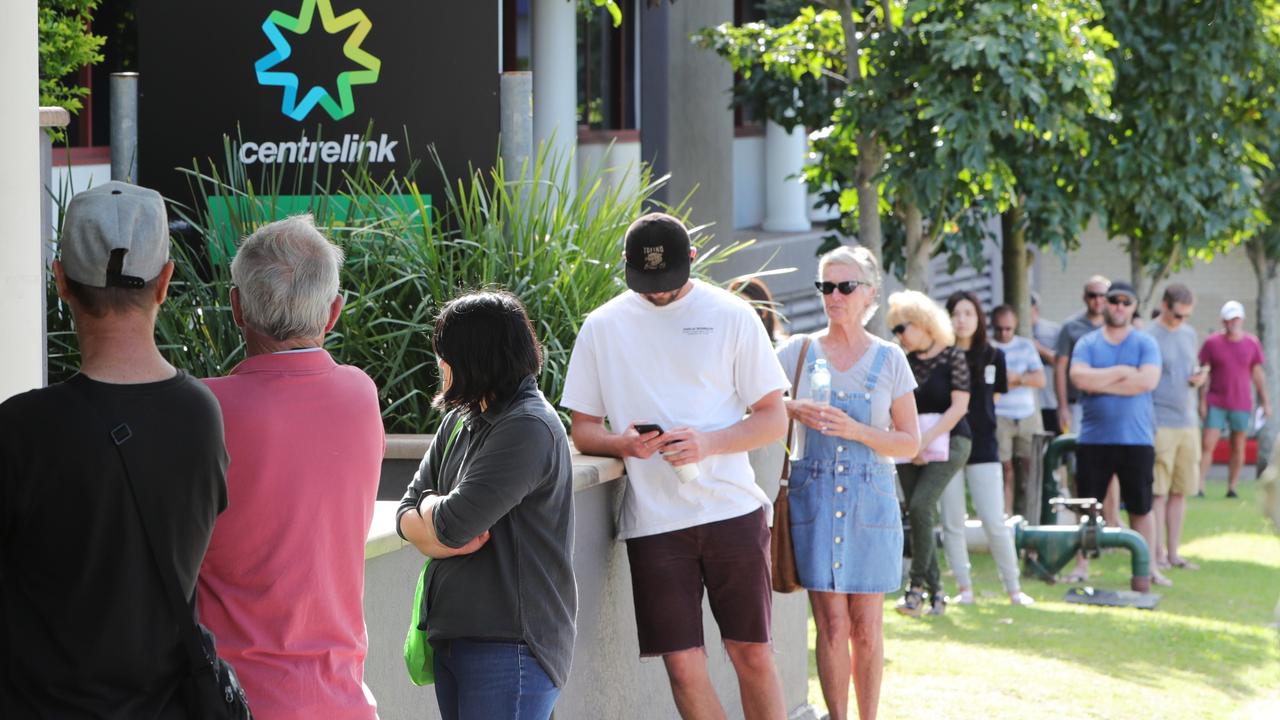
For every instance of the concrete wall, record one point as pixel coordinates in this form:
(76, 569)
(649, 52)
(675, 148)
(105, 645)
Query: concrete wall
(608, 679)
(21, 271)
(686, 126)
(619, 161)
(1227, 277)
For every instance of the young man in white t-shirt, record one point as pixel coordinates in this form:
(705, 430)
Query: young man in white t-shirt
(691, 359)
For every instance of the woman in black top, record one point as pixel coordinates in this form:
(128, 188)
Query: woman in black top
(983, 473)
(942, 398)
(492, 504)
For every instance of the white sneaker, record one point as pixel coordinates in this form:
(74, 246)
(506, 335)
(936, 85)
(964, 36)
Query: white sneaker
(1021, 598)
(964, 598)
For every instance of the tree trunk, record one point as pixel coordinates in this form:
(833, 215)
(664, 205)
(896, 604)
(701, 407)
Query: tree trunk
(918, 247)
(1013, 248)
(1266, 270)
(870, 158)
(1137, 272)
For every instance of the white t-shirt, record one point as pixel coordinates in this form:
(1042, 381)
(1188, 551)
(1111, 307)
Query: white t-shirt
(699, 362)
(1020, 356)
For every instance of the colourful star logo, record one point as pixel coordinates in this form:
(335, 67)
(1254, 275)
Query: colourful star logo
(344, 105)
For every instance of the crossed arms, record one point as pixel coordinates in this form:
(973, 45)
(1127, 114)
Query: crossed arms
(1116, 380)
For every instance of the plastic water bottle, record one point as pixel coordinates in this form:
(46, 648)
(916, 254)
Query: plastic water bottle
(820, 383)
(820, 392)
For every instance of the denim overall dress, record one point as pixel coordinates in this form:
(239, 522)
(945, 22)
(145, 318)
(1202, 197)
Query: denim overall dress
(845, 521)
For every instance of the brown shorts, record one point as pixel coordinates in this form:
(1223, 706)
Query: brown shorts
(668, 571)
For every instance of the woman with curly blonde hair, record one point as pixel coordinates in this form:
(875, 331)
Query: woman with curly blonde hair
(941, 371)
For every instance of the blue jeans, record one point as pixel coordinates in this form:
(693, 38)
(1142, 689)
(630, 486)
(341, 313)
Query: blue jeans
(491, 681)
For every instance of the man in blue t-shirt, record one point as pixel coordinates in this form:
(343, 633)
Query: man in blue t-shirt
(1116, 369)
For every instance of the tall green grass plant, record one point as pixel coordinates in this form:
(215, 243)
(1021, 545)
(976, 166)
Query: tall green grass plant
(556, 244)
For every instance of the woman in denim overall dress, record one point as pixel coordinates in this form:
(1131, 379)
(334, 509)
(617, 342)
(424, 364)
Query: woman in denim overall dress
(846, 524)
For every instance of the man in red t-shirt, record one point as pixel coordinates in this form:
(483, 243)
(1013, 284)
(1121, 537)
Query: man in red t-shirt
(1234, 357)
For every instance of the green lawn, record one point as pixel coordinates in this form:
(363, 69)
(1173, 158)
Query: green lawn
(1207, 651)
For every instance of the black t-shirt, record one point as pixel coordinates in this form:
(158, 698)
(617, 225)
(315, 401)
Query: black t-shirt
(936, 378)
(85, 630)
(989, 376)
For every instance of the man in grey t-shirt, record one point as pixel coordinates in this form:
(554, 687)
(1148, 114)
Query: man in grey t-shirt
(1177, 428)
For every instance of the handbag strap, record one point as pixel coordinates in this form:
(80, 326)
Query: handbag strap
(795, 388)
(184, 614)
(448, 445)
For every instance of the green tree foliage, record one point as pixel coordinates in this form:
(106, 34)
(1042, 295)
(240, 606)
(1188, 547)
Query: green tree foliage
(66, 45)
(957, 98)
(1262, 111)
(1177, 162)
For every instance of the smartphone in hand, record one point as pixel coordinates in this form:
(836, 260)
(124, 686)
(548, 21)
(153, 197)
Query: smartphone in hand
(645, 428)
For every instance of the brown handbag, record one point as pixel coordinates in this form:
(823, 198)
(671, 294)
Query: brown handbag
(782, 552)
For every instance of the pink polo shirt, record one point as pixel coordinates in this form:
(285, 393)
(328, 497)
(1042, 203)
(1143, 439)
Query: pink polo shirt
(282, 585)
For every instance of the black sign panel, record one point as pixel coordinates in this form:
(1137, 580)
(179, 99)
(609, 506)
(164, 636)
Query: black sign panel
(300, 83)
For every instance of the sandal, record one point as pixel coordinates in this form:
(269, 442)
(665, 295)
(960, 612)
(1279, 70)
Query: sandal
(1184, 564)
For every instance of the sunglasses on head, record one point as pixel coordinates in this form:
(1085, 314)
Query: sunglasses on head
(1094, 295)
(900, 328)
(1120, 300)
(846, 287)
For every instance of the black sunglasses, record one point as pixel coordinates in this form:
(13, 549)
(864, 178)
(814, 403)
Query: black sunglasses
(1120, 300)
(899, 328)
(1177, 316)
(1094, 295)
(846, 287)
(1005, 328)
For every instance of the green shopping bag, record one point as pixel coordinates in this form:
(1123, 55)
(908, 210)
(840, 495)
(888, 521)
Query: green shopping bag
(419, 657)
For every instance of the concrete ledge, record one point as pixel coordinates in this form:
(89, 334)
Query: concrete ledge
(608, 679)
(588, 472)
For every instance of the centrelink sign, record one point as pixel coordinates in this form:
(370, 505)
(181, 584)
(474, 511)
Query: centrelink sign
(309, 88)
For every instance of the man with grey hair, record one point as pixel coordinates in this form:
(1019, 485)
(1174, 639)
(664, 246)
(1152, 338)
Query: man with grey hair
(86, 625)
(306, 441)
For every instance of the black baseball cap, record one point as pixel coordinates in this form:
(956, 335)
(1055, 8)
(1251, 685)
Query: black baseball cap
(1121, 287)
(657, 254)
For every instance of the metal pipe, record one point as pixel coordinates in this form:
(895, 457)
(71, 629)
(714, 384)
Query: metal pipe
(124, 126)
(1056, 545)
(1139, 556)
(1054, 456)
(516, 103)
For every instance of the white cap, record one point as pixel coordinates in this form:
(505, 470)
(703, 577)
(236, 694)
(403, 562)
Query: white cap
(1232, 310)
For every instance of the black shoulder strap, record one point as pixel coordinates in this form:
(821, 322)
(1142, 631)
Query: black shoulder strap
(120, 434)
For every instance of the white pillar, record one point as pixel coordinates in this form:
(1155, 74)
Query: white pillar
(555, 77)
(21, 270)
(785, 196)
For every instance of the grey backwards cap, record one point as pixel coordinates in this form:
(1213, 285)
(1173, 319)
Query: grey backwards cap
(111, 217)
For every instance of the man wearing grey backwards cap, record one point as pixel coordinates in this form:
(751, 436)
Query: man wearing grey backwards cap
(85, 629)
(674, 364)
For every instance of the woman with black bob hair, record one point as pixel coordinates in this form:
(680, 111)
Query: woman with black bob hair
(492, 505)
